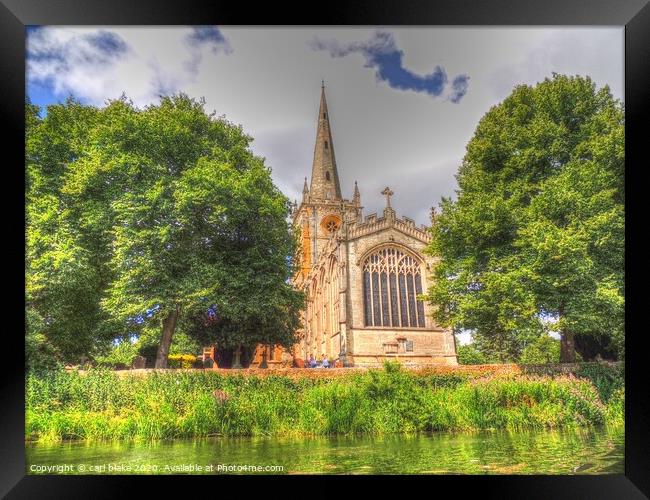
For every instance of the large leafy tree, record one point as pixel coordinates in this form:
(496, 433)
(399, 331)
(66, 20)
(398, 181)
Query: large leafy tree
(242, 242)
(65, 263)
(176, 215)
(535, 239)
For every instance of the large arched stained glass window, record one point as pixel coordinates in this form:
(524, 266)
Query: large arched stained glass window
(391, 283)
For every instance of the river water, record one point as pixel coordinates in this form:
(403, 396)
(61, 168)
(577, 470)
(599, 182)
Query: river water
(568, 451)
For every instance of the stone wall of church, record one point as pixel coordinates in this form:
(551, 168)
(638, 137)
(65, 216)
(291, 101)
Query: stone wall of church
(371, 345)
(313, 217)
(334, 316)
(321, 318)
(321, 276)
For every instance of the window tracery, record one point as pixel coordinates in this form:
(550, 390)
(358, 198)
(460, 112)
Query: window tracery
(391, 282)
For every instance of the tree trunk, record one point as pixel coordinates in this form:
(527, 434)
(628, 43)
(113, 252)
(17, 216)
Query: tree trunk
(168, 327)
(567, 347)
(236, 363)
(567, 341)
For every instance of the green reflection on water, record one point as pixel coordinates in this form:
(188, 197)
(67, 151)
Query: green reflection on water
(569, 451)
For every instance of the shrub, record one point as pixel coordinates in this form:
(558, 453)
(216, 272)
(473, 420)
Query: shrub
(40, 355)
(468, 354)
(545, 349)
(149, 352)
(606, 377)
(102, 404)
(616, 407)
(120, 355)
(181, 361)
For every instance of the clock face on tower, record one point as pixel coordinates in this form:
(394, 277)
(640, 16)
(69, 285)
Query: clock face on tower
(331, 223)
(332, 226)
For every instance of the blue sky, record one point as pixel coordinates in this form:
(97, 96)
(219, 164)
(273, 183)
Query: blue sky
(50, 61)
(39, 92)
(403, 102)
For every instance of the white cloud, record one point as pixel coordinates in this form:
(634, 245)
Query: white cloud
(464, 338)
(594, 52)
(268, 80)
(97, 64)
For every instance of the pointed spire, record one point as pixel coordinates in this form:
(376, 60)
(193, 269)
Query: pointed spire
(305, 190)
(324, 175)
(356, 198)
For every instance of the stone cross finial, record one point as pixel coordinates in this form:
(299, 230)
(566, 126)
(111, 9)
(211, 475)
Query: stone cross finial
(387, 193)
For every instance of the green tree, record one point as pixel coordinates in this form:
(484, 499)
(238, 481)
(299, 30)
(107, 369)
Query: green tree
(167, 212)
(537, 230)
(64, 272)
(249, 262)
(545, 349)
(468, 354)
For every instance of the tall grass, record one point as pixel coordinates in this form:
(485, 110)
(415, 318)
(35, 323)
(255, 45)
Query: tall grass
(103, 405)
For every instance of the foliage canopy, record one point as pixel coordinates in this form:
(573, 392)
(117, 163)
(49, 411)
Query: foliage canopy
(535, 239)
(138, 217)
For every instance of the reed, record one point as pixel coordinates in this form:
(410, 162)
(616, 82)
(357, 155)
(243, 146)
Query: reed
(102, 405)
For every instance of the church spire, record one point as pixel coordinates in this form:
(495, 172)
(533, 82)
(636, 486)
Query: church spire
(356, 198)
(324, 176)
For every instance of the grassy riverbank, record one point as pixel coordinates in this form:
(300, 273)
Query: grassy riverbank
(103, 405)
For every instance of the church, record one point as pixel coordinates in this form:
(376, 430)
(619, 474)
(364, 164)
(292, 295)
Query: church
(361, 275)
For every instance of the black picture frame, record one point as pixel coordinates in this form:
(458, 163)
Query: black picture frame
(633, 14)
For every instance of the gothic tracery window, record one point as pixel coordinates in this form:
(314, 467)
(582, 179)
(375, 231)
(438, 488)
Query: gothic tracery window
(391, 282)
